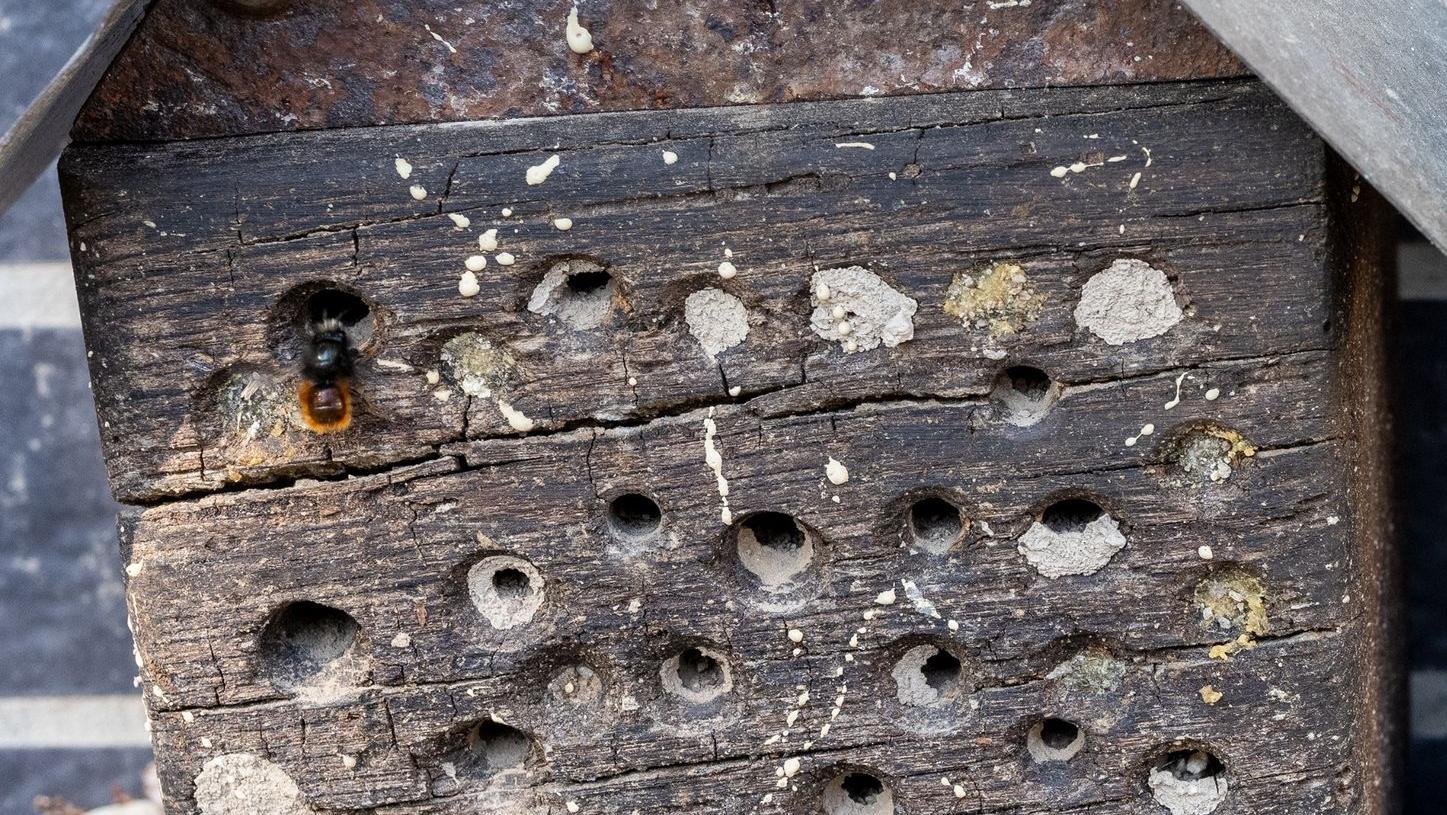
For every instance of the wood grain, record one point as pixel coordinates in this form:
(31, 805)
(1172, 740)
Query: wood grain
(233, 524)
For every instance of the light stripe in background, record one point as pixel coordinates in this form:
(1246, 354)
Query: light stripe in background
(37, 295)
(1421, 272)
(80, 721)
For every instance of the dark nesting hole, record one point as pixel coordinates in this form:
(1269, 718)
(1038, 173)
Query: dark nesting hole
(776, 531)
(335, 304)
(1025, 394)
(862, 788)
(1031, 383)
(935, 524)
(634, 515)
(303, 638)
(1191, 765)
(1070, 515)
(698, 671)
(496, 747)
(941, 671)
(858, 793)
(511, 584)
(1058, 734)
(588, 284)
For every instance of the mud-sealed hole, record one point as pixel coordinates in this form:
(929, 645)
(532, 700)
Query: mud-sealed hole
(633, 516)
(1054, 740)
(935, 525)
(775, 548)
(1190, 781)
(307, 643)
(1208, 454)
(576, 686)
(1072, 536)
(697, 674)
(506, 590)
(578, 291)
(1024, 395)
(858, 793)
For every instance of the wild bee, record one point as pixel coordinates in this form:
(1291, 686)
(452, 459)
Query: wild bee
(325, 389)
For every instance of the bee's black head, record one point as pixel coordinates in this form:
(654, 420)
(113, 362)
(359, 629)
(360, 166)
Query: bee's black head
(329, 353)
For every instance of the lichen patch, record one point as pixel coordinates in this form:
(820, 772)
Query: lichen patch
(243, 784)
(476, 366)
(717, 319)
(859, 310)
(1129, 301)
(999, 299)
(1093, 670)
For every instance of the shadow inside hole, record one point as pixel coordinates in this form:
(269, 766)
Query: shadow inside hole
(1070, 515)
(942, 672)
(577, 291)
(935, 524)
(511, 584)
(634, 515)
(858, 793)
(1054, 740)
(303, 639)
(697, 675)
(297, 313)
(1024, 394)
(774, 548)
(588, 283)
(489, 748)
(1190, 765)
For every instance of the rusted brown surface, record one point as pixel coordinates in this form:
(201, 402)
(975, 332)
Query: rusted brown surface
(197, 70)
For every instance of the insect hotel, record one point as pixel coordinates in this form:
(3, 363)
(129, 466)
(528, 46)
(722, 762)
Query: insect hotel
(736, 408)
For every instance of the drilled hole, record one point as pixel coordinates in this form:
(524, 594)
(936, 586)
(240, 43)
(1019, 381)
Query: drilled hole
(774, 547)
(496, 747)
(578, 292)
(935, 524)
(1070, 515)
(1053, 740)
(349, 309)
(1188, 782)
(1024, 394)
(858, 793)
(306, 639)
(941, 672)
(697, 675)
(634, 515)
(511, 584)
(928, 676)
(506, 590)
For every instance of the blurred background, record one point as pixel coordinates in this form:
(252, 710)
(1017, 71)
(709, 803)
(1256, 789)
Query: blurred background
(71, 722)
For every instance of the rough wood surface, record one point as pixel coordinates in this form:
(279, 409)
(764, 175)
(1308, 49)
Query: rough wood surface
(186, 254)
(197, 71)
(194, 258)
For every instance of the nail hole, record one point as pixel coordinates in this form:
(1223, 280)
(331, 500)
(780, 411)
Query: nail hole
(309, 643)
(697, 675)
(1188, 782)
(928, 676)
(633, 515)
(1054, 740)
(1024, 394)
(495, 747)
(507, 590)
(775, 548)
(858, 793)
(935, 524)
(579, 292)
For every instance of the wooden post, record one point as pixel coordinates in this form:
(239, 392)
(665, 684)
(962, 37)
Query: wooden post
(978, 451)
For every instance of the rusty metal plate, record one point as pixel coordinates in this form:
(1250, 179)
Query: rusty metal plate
(196, 69)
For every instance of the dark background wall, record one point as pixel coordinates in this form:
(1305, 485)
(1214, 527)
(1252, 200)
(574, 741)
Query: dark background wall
(70, 718)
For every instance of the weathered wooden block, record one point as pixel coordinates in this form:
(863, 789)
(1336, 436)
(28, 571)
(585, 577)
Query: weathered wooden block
(1000, 451)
